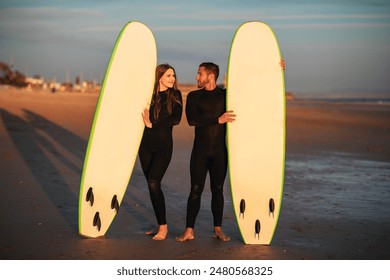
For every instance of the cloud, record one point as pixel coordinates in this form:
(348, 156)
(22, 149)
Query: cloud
(332, 25)
(307, 25)
(192, 28)
(313, 21)
(49, 25)
(46, 13)
(330, 16)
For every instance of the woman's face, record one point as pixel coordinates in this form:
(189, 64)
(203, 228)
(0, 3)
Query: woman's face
(167, 80)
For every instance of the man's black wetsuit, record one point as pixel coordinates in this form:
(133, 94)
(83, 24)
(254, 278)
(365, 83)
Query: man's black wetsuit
(209, 152)
(156, 148)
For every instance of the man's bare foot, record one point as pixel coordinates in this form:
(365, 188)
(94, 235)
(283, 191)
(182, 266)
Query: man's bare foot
(218, 233)
(160, 232)
(187, 235)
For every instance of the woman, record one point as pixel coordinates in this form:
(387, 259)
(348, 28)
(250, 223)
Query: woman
(155, 152)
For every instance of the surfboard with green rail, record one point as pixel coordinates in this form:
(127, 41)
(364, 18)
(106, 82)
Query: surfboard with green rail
(256, 140)
(117, 128)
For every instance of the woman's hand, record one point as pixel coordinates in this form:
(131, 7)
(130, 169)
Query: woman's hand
(145, 117)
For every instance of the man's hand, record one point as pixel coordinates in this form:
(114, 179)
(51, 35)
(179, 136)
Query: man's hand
(282, 64)
(227, 117)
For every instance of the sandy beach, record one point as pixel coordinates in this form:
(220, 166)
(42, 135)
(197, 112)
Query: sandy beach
(336, 201)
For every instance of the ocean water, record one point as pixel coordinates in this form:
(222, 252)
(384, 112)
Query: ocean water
(338, 185)
(349, 98)
(352, 100)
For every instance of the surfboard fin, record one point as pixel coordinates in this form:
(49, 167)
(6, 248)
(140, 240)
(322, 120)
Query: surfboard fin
(271, 207)
(90, 197)
(257, 229)
(115, 204)
(242, 207)
(97, 222)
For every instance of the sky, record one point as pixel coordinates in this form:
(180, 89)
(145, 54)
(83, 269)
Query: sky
(329, 46)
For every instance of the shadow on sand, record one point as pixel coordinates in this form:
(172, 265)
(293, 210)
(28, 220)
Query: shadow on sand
(45, 147)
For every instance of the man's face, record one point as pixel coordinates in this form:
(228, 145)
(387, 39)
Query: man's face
(202, 77)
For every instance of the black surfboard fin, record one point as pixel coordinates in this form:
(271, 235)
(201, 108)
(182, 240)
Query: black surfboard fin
(257, 229)
(242, 208)
(90, 197)
(271, 207)
(97, 222)
(115, 203)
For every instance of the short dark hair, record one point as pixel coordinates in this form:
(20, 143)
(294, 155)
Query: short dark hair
(211, 67)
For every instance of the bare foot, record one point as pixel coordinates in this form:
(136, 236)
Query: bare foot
(218, 233)
(153, 231)
(187, 235)
(160, 232)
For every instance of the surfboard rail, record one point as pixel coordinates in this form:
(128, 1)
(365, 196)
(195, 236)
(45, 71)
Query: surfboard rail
(256, 140)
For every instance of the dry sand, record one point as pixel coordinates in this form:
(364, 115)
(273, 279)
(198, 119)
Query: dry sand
(336, 201)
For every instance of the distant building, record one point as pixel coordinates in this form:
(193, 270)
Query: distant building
(35, 81)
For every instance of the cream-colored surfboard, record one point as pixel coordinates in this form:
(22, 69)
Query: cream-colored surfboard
(256, 140)
(117, 128)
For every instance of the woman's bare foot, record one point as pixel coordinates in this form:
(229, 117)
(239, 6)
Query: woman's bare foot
(160, 233)
(153, 231)
(187, 235)
(218, 233)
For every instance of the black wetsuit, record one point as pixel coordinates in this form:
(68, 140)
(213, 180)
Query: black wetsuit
(156, 148)
(209, 152)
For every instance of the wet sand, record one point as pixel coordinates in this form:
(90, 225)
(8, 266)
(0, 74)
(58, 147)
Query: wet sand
(336, 201)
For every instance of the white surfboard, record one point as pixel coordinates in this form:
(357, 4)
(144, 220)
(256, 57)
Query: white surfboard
(256, 140)
(117, 128)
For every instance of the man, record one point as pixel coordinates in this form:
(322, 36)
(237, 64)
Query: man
(206, 110)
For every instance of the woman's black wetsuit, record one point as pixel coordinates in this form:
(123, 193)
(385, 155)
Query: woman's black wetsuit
(156, 148)
(209, 152)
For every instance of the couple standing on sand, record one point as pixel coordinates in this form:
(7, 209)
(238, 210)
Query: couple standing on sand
(206, 110)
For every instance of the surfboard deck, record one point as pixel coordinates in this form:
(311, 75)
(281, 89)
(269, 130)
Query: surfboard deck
(117, 128)
(256, 140)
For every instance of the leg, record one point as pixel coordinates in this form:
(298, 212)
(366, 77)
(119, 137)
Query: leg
(198, 170)
(218, 170)
(146, 160)
(158, 201)
(155, 171)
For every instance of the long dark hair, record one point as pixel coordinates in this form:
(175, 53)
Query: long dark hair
(171, 98)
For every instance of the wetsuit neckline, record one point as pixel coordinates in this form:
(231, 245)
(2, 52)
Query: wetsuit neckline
(210, 90)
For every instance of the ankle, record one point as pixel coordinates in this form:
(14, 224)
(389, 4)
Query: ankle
(163, 227)
(217, 229)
